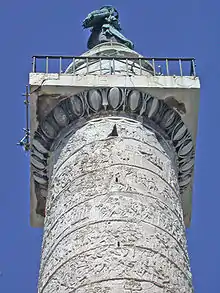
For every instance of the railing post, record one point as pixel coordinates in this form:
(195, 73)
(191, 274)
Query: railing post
(110, 66)
(126, 66)
(181, 69)
(74, 66)
(167, 67)
(33, 64)
(47, 64)
(193, 67)
(113, 65)
(60, 65)
(153, 62)
(87, 65)
(140, 64)
(100, 65)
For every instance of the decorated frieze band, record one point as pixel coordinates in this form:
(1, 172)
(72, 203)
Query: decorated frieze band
(116, 102)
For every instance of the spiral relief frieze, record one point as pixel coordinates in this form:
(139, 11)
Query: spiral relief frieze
(114, 220)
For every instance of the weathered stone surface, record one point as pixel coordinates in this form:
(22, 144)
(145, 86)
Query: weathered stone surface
(74, 111)
(114, 220)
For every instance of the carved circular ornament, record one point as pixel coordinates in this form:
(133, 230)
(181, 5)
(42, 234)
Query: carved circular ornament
(115, 102)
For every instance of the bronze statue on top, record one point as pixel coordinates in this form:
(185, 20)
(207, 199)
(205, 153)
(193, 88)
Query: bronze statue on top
(105, 27)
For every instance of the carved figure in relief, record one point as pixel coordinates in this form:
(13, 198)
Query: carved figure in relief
(97, 289)
(131, 286)
(105, 27)
(108, 236)
(121, 262)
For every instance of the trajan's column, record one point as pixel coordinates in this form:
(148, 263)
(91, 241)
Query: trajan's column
(112, 155)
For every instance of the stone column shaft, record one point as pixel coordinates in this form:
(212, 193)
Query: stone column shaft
(114, 220)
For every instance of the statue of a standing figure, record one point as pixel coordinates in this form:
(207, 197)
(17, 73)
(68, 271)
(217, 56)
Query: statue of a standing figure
(105, 27)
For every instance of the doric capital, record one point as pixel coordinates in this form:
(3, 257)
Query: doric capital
(132, 103)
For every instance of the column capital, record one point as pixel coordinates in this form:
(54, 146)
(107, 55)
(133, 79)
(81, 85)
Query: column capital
(75, 110)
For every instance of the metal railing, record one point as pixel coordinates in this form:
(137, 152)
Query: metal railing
(75, 64)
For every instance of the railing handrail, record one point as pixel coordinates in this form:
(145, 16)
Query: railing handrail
(116, 58)
(151, 63)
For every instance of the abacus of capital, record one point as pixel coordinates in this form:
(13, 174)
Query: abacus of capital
(112, 158)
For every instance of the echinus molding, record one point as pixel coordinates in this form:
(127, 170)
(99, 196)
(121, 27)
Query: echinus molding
(75, 111)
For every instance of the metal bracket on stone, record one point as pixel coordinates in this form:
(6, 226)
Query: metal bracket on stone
(25, 141)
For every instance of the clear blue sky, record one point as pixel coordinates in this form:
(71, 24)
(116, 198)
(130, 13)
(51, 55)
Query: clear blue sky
(157, 28)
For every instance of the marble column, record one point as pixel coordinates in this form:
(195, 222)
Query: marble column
(114, 220)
